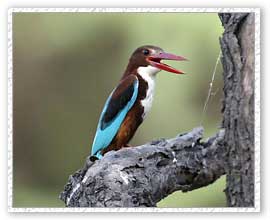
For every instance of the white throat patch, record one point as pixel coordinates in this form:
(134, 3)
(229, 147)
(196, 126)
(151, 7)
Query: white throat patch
(148, 73)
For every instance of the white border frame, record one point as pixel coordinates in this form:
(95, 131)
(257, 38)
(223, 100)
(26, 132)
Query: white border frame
(256, 208)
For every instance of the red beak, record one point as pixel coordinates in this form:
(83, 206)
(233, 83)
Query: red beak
(155, 61)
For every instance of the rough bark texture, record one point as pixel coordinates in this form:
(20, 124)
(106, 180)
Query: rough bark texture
(237, 44)
(142, 176)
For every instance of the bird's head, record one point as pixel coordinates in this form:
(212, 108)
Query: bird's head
(151, 57)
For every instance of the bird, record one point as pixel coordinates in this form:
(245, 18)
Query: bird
(130, 101)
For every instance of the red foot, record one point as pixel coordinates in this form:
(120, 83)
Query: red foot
(127, 145)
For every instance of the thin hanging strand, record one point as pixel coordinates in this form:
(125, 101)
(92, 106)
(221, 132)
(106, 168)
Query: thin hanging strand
(210, 88)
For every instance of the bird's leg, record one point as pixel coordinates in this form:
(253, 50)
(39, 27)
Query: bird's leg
(127, 145)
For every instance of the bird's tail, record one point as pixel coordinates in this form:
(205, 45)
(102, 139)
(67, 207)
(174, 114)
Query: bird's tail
(96, 156)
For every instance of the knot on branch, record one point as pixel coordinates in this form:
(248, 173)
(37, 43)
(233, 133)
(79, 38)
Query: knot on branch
(142, 176)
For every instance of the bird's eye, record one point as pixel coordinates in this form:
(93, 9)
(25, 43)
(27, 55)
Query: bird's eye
(145, 51)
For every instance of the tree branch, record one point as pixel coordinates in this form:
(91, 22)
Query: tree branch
(143, 175)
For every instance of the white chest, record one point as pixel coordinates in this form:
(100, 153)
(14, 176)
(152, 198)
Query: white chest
(149, 75)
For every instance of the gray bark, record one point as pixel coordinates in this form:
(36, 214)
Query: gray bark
(142, 176)
(237, 44)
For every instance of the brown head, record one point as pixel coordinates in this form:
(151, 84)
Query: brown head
(152, 56)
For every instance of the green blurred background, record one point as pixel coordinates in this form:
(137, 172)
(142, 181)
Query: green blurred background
(65, 66)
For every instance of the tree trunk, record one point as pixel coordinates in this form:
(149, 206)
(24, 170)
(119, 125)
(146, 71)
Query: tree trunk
(237, 44)
(142, 176)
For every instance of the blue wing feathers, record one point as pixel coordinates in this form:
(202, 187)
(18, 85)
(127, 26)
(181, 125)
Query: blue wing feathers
(106, 130)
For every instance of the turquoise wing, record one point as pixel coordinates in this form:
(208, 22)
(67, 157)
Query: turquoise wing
(114, 112)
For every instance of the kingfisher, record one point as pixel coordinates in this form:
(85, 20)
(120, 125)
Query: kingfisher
(130, 101)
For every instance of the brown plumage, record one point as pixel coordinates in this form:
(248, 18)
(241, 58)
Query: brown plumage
(137, 81)
(131, 122)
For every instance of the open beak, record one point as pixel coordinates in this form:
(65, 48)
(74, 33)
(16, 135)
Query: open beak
(154, 60)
